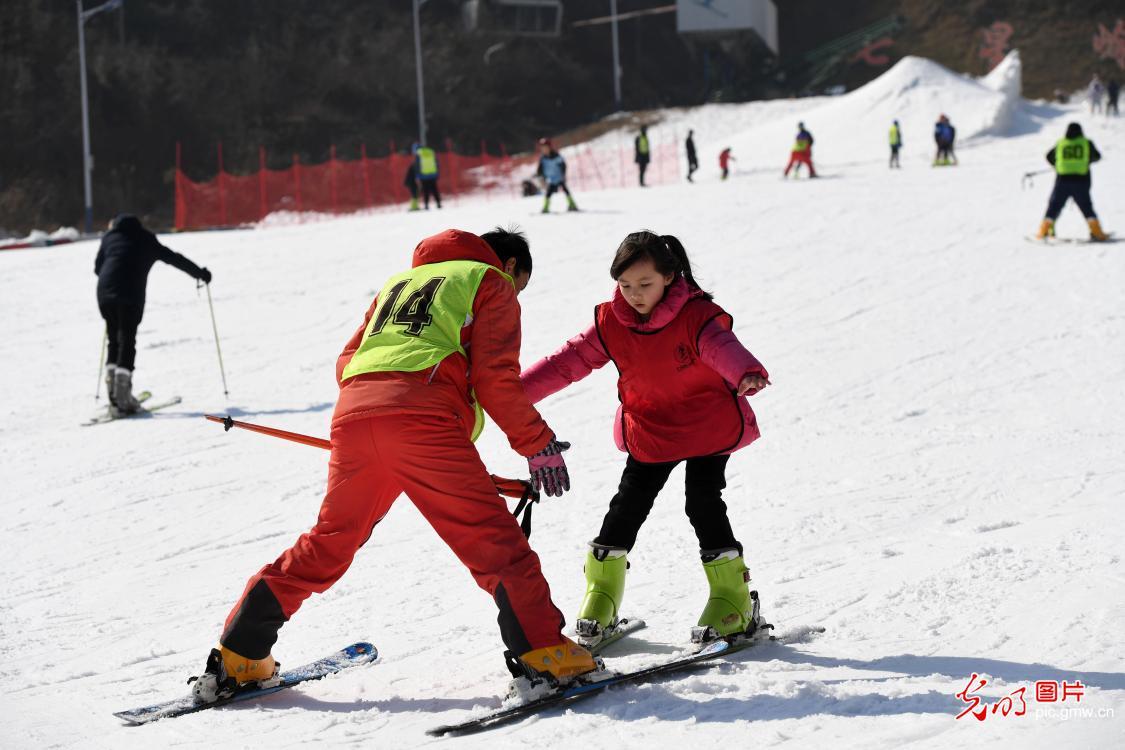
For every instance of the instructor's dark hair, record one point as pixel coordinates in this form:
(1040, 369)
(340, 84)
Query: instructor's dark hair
(1073, 130)
(510, 243)
(665, 252)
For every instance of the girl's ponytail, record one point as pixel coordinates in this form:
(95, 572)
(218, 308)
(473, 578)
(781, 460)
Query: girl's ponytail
(677, 251)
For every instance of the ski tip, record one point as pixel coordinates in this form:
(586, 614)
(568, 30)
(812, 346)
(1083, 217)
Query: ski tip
(362, 651)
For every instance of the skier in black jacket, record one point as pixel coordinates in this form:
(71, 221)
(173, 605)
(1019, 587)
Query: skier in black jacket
(124, 259)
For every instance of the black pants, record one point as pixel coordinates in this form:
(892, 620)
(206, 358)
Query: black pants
(429, 188)
(552, 189)
(1078, 190)
(692, 165)
(640, 484)
(642, 166)
(894, 156)
(121, 322)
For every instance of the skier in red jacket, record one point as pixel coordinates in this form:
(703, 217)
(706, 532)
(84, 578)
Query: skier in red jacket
(439, 343)
(724, 161)
(683, 378)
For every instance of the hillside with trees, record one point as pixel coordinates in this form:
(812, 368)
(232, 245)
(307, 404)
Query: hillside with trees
(301, 76)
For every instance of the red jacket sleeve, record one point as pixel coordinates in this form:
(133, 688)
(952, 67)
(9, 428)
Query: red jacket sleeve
(576, 359)
(353, 343)
(721, 350)
(494, 362)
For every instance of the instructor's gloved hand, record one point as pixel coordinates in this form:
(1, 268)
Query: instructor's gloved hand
(548, 469)
(204, 275)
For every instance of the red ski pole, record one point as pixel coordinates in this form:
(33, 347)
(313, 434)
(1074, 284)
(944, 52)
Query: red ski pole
(514, 488)
(296, 437)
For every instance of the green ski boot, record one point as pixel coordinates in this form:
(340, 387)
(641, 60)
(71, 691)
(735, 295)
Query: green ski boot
(570, 204)
(546, 205)
(732, 608)
(605, 586)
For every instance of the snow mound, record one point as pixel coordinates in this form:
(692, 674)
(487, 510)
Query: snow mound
(915, 91)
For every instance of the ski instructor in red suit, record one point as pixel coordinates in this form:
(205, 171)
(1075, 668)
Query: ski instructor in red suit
(451, 325)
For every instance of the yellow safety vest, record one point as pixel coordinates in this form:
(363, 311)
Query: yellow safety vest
(418, 320)
(896, 138)
(427, 162)
(1072, 156)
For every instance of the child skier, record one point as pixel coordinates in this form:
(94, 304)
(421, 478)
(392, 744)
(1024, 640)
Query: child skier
(1071, 157)
(944, 135)
(683, 378)
(552, 168)
(725, 159)
(439, 342)
(802, 151)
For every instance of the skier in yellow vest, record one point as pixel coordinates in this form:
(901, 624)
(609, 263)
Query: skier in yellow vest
(427, 168)
(642, 153)
(802, 152)
(1071, 157)
(896, 144)
(439, 347)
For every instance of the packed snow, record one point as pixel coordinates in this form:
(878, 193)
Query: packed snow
(938, 483)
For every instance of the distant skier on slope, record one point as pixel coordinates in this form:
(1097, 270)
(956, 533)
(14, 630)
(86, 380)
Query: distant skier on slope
(944, 136)
(896, 144)
(642, 153)
(683, 378)
(692, 158)
(1071, 157)
(426, 164)
(725, 159)
(552, 168)
(802, 151)
(439, 347)
(1096, 94)
(125, 257)
(410, 182)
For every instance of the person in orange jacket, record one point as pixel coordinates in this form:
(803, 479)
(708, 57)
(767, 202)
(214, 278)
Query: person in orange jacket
(438, 347)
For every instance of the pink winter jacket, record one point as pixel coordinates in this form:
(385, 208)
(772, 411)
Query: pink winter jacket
(719, 349)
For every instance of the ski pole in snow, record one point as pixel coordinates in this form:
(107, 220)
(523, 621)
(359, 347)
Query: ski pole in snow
(514, 488)
(1028, 179)
(215, 328)
(101, 364)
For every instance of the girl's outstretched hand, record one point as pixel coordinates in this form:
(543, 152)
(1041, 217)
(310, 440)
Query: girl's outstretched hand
(751, 384)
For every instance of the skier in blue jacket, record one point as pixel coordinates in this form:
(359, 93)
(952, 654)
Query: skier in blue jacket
(552, 168)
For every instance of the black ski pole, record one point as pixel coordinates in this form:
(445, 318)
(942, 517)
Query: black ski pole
(215, 328)
(1028, 179)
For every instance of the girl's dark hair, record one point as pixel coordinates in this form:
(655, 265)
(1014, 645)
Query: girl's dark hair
(665, 251)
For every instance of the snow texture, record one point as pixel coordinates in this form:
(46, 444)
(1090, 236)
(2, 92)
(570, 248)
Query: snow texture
(939, 481)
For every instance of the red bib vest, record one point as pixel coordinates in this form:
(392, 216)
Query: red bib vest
(673, 406)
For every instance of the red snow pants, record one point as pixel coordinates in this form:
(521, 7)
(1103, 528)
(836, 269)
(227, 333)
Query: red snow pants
(801, 157)
(431, 459)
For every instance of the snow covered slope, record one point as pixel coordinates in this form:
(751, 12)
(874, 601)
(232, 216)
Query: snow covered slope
(939, 481)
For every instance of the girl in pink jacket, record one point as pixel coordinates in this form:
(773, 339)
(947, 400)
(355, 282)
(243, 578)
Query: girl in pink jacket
(683, 382)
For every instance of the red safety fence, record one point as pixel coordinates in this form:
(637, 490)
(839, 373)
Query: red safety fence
(341, 186)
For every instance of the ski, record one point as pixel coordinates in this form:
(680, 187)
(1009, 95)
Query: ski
(574, 692)
(1110, 239)
(352, 656)
(624, 627)
(109, 416)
